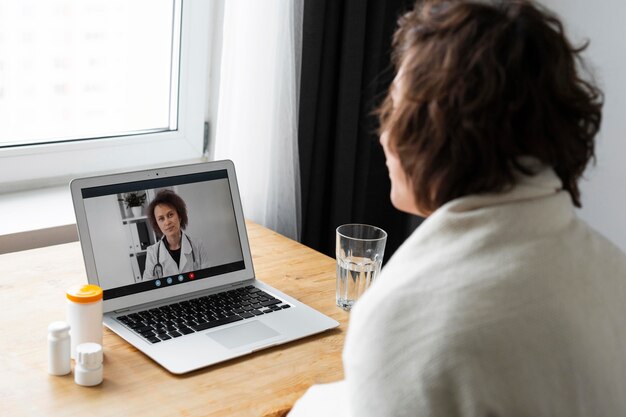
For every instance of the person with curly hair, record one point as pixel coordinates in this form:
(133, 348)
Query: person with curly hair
(175, 252)
(503, 302)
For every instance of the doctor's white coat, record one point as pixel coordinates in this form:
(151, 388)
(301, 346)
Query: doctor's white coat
(190, 248)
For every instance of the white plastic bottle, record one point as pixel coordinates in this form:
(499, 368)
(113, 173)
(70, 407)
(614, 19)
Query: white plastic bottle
(88, 369)
(59, 348)
(84, 314)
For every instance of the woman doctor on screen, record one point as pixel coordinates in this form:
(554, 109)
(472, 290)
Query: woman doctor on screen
(175, 252)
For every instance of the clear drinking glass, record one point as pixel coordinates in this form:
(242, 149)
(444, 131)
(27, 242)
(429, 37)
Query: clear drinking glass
(359, 251)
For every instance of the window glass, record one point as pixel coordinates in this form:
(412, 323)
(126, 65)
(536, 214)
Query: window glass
(77, 69)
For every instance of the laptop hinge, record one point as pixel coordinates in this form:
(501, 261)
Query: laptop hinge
(238, 284)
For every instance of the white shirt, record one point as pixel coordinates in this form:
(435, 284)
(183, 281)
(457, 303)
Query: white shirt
(190, 248)
(497, 305)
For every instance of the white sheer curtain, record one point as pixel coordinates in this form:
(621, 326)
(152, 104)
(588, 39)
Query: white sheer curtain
(258, 108)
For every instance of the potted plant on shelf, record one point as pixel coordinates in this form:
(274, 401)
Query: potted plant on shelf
(134, 201)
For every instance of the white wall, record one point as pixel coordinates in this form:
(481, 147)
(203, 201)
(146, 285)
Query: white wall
(109, 241)
(604, 190)
(212, 219)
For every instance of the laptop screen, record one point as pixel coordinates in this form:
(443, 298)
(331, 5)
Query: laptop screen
(158, 233)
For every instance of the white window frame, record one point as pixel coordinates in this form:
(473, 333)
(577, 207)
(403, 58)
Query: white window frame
(34, 166)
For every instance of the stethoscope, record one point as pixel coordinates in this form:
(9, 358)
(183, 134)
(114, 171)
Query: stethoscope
(158, 266)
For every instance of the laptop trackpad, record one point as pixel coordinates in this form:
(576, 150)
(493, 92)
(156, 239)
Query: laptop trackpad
(244, 334)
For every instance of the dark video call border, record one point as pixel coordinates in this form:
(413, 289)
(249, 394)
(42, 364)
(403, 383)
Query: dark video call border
(141, 185)
(155, 284)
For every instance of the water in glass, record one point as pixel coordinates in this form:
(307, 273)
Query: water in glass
(354, 276)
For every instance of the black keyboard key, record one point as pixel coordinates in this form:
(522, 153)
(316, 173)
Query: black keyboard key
(286, 306)
(216, 323)
(154, 339)
(256, 312)
(246, 315)
(185, 330)
(270, 302)
(143, 329)
(174, 334)
(164, 337)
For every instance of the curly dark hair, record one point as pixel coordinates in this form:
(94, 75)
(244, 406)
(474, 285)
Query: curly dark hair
(484, 84)
(169, 198)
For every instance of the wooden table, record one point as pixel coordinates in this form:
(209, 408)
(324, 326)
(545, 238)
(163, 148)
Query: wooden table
(267, 383)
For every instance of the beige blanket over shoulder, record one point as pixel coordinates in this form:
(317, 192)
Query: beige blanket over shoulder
(498, 305)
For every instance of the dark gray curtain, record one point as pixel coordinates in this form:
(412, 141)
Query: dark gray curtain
(345, 71)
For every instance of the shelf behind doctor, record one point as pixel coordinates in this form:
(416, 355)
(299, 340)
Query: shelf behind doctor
(176, 251)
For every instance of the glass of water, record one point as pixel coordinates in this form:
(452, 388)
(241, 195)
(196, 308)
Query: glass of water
(359, 251)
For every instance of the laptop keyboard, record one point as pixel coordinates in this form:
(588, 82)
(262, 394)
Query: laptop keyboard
(202, 313)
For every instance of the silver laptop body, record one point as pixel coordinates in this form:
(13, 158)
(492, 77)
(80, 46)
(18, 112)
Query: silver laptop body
(129, 258)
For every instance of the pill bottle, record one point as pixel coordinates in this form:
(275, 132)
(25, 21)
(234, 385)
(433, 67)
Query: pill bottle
(84, 314)
(59, 348)
(88, 369)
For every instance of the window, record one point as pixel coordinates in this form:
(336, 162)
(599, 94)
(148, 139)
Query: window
(99, 85)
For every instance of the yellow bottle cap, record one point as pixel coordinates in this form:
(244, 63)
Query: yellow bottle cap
(84, 294)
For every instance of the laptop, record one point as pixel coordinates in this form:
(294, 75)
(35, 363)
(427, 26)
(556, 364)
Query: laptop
(169, 248)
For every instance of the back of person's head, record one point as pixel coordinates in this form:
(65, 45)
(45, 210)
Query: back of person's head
(479, 86)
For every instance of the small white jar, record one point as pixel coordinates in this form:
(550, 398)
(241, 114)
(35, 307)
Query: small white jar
(84, 314)
(88, 369)
(59, 348)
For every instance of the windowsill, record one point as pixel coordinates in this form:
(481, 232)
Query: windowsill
(41, 217)
(36, 218)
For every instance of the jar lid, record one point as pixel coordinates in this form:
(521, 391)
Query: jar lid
(89, 354)
(84, 294)
(58, 328)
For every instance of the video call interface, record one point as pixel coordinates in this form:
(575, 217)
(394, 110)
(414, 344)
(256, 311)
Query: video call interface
(190, 234)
